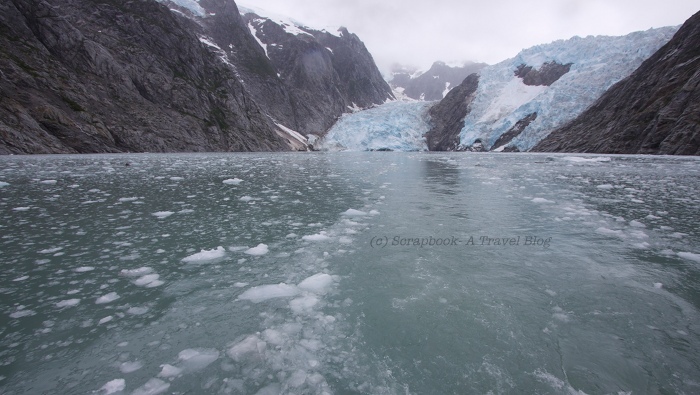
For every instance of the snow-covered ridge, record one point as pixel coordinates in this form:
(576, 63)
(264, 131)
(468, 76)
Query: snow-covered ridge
(598, 62)
(290, 25)
(191, 5)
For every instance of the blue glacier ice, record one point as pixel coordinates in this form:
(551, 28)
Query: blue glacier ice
(396, 126)
(502, 99)
(598, 62)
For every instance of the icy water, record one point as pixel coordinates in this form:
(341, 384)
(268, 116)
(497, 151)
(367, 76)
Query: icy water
(349, 273)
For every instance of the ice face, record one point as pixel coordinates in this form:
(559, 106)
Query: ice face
(596, 64)
(396, 126)
(502, 99)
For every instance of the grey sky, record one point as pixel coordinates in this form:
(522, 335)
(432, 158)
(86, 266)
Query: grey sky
(416, 32)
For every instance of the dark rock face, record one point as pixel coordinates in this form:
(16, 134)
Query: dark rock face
(316, 75)
(656, 110)
(432, 84)
(113, 76)
(132, 75)
(546, 75)
(514, 132)
(447, 116)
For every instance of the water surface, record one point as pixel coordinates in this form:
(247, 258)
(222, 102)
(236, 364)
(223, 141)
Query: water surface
(304, 273)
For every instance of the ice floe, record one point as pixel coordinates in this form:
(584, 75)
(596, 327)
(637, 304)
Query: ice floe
(206, 255)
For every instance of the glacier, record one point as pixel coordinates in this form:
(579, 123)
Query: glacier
(395, 126)
(502, 99)
(598, 62)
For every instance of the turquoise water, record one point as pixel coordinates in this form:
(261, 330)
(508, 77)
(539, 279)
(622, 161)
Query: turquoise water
(305, 274)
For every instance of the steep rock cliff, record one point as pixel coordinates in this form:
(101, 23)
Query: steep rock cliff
(656, 110)
(113, 76)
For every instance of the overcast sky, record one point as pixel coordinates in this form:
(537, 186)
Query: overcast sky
(418, 32)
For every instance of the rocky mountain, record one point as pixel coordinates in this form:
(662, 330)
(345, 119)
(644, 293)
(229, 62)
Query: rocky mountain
(317, 75)
(519, 101)
(116, 76)
(448, 115)
(433, 84)
(656, 110)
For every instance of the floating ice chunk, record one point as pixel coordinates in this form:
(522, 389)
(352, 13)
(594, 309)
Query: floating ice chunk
(48, 182)
(373, 212)
(137, 310)
(195, 359)
(318, 283)
(152, 387)
(113, 386)
(610, 232)
(316, 237)
(108, 298)
(105, 320)
(249, 348)
(261, 249)
(50, 250)
(542, 200)
(240, 285)
(550, 292)
(21, 208)
(637, 224)
(232, 181)
(658, 285)
(642, 246)
(128, 199)
(245, 198)
(353, 213)
(68, 303)
(264, 292)
(84, 269)
(690, 256)
(304, 304)
(21, 278)
(176, 178)
(144, 281)
(605, 186)
(136, 272)
(582, 159)
(273, 337)
(128, 367)
(561, 317)
(270, 389)
(169, 371)
(163, 214)
(206, 255)
(21, 312)
(3, 184)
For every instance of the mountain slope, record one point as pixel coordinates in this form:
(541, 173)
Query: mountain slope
(448, 116)
(99, 76)
(182, 75)
(433, 84)
(656, 110)
(555, 81)
(321, 74)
